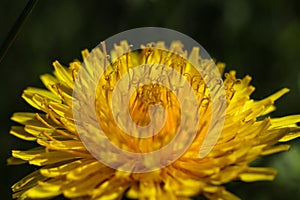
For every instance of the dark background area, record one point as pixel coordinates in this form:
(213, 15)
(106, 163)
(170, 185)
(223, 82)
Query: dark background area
(259, 38)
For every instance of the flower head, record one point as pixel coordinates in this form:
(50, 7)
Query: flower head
(67, 168)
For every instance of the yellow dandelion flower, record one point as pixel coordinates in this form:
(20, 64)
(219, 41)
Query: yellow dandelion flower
(67, 168)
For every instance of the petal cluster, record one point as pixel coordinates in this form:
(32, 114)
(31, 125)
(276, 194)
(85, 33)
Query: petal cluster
(67, 168)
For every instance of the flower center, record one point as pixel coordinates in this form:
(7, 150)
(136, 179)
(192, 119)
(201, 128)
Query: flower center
(143, 98)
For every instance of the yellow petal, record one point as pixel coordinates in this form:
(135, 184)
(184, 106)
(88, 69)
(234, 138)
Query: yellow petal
(63, 145)
(40, 157)
(63, 75)
(23, 117)
(40, 192)
(227, 174)
(15, 161)
(219, 193)
(28, 181)
(258, 174)
(84, 186)
(51, 158)
(29, 98)
(228, 196)
(87, 169)
(278, 94)
(288, 121)
(49, 81)
(19, 132)
(63, 169)
(290, 136)
(61, 110)
(31, 91)
(272, 136)
(112, 188)
(28, 154)
(276, 149)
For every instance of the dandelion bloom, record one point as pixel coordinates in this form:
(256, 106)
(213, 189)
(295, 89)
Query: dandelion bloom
(67, 168)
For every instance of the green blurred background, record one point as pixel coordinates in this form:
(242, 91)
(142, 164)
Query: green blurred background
(260, 38)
